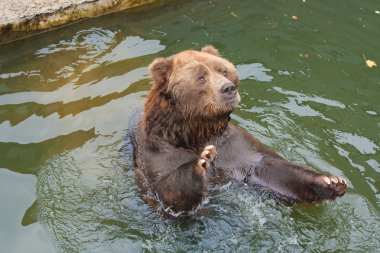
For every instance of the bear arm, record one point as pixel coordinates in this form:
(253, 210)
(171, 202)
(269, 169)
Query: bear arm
(182, 189)
(295, 183)
(249, 161)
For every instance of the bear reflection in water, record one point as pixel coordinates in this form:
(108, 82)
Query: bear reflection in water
(184, 140)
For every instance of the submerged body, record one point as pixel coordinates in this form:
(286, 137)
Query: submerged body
(184, 139)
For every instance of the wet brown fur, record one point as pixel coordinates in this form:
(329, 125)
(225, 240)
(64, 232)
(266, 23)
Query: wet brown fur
(185, 110)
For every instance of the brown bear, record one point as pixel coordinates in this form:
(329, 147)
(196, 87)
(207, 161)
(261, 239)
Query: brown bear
(184, 139)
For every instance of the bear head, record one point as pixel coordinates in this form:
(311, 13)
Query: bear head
(193, 88)
(200, 83)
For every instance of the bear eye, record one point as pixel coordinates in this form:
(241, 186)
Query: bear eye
(201, 79)
(225, 72)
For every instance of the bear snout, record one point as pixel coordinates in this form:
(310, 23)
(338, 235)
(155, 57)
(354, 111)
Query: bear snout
(228, 90)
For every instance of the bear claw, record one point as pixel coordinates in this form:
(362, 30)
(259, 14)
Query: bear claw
(331, 187)
(202, 163)
(206, 158)
(209, 153)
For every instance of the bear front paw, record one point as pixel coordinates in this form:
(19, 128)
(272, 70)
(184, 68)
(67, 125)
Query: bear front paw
(205, 159)
(330, 187)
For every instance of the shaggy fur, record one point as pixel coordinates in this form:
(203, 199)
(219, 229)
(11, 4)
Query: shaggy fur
(184, 139)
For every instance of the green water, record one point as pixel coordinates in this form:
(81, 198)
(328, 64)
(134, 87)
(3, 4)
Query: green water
(66, 183)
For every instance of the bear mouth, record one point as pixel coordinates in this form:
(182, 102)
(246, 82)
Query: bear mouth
(232, 101)
(226, 105)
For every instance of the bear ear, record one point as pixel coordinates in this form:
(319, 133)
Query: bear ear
(159, 70)
(210, 50)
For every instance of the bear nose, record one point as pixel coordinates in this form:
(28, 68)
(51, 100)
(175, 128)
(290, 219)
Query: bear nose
(228, 90)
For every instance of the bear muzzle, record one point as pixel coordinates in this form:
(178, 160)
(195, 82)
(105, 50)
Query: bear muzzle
(229, 91)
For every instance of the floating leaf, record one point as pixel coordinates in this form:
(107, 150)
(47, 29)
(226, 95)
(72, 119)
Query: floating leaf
(370, 63)
(234, 14)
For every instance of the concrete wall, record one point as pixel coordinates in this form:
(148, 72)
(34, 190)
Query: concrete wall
(24, 17)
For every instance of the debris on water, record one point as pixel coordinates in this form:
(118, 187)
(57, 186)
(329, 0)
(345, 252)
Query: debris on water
(234, 14)
(371, 113)
(377, 12)
(294, 17)
(369, 63)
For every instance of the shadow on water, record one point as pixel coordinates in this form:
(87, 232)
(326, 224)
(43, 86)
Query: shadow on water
(28, 158)
(66, 98)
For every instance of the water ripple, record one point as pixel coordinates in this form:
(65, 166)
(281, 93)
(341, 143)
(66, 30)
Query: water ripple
(362, 144)
(255, 71)
(94, 40)
(303, 98)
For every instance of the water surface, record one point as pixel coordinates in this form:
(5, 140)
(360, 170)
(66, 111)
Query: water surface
(66, 182)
